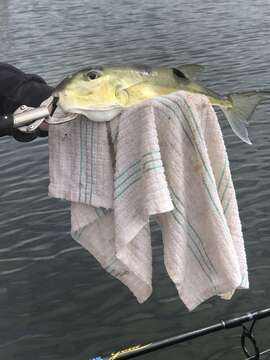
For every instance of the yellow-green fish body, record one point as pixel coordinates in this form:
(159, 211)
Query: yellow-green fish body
(102, 92)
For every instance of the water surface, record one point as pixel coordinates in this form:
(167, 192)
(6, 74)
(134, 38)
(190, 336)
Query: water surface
(55, 301)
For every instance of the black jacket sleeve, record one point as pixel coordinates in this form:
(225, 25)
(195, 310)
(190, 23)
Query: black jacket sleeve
(6, 125)
(18, 88)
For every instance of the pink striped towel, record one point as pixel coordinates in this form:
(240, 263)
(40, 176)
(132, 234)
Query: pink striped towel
(163, 159)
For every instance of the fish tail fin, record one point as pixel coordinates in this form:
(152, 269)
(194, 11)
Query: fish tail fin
(243, 107)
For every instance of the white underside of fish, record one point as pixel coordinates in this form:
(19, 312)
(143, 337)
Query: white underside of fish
(99, 114)
(94, 114)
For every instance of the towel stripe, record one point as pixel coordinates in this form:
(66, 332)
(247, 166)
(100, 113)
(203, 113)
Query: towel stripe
(87, 160)
(222, 174)
(92, 162)
(133, 169)
(227, 205)
(119, 190)
(126, 170)
(193, 242)
(225, 190)
(193, 253)
(82, 160)
(195, 143)
(196, 146)
(159, 166)
(81, 152)
(116, 196)
(227, 185)
(151, 153)
(146, 163)
(193, 230)
(221, 216)
(195, 122)
(129, 177)
(116, 178)
(175, 113)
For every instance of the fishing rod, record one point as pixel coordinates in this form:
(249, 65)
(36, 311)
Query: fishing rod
(247, 334)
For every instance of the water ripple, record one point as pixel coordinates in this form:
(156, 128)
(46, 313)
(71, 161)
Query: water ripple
(55, 300)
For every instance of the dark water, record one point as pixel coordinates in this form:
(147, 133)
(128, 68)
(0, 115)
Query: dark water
(55, 301)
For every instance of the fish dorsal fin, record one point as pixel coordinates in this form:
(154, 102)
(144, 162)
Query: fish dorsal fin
(191, 71)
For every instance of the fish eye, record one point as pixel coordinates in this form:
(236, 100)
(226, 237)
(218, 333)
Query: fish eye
(92, 75)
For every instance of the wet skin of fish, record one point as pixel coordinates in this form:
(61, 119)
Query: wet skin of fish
(102, 92)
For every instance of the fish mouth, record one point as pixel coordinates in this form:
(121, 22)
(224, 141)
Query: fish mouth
(101, 113)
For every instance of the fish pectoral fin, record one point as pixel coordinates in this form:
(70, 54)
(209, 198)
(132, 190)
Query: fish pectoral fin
(122, 96)
(122, 92)
(134, 93)
(191, 71)
(135, 84)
